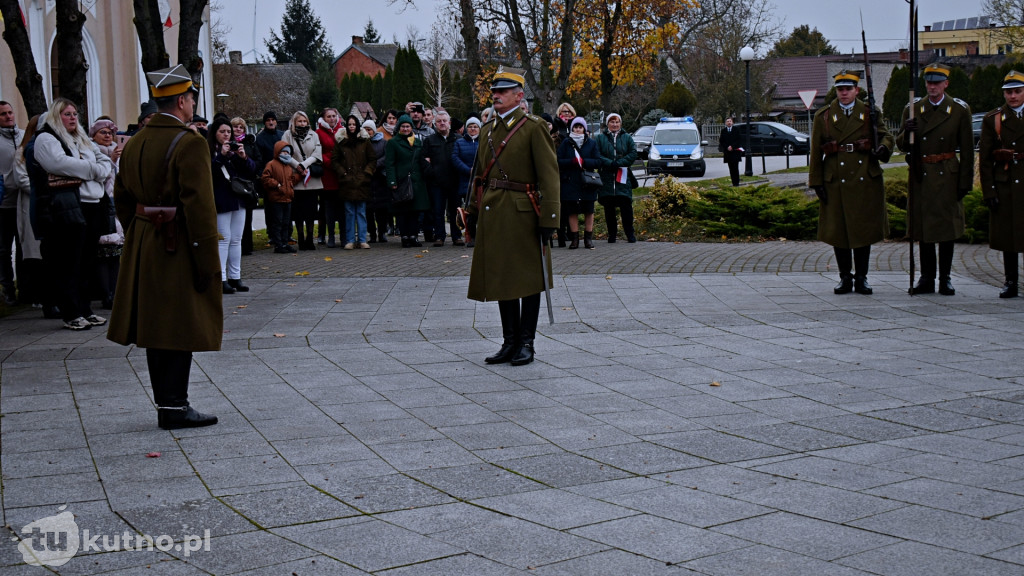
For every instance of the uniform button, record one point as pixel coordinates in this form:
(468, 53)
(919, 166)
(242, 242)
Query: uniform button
(487, 207)
(195, 244)
(842, 181)
(842, 163)
(861, 178)
(860, 161)
(553, 216)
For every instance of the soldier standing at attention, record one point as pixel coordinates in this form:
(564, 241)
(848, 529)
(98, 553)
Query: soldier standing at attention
(514, 206)
(943, 126)
(846, 175)
(168, 297)
(1001, 169)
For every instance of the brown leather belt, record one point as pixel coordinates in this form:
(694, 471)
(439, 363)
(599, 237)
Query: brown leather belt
(1006, 155)
(936, 158)
(163, 218)
(508, 185)
(830, 148)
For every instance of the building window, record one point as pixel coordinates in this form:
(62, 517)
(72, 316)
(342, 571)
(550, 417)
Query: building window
(940, 52)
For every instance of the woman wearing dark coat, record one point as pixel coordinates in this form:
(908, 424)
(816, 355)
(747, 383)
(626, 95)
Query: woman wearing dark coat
(378, 217)
(576, 154)
(354, 163)
(618, 152)
(403, 156)
(229, 161)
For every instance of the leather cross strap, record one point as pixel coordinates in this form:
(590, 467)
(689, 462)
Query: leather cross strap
(480, 180)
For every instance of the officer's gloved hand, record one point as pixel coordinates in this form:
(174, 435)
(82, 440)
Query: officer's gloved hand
(471, 225)
(882, 154)
(962, 192)
(992, 203)
(910, 125)
(545, 234)
(822, 194)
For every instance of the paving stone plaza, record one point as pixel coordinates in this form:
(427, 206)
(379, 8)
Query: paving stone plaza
(702, 409)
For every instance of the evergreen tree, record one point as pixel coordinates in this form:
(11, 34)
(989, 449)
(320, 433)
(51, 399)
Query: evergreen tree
(677, 99)
(370, 34)
(983, 93)
(959, 84)
(323, 90)
(302, 39)
(376, 90)
(387, 90)
(803, 42)
(399, 81)
(896, 93)
(417, 83)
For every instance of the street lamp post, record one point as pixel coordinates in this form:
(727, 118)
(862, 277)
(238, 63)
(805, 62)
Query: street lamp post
(222, 96)
(747, 54)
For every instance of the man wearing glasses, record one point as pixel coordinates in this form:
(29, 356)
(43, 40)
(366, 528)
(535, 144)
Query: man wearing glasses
(846, 175)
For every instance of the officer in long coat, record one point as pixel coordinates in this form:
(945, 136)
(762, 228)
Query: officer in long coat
(1001, 167)
(168, 297)
(509, 226)
(845, 173)
(943, 126)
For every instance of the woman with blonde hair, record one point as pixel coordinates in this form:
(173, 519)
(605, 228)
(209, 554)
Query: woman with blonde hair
(307, 158)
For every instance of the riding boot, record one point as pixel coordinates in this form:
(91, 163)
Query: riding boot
(844, 261)
(611, 222)
(574, 240)
(945, 266)
(527, 330)
(861, 256)
(510, 327)
(926, 284)
(1010, 266)
(588, 239)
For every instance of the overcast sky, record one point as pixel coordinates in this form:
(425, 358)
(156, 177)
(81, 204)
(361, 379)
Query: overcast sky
(885, 21)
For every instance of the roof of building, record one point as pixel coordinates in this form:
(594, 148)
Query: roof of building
(384, 54)
(811, 72)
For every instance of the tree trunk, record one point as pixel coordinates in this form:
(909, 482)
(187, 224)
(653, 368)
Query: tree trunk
(188, 37)
(150, 31)
(71, 64)
(471, 37)
(27, 79)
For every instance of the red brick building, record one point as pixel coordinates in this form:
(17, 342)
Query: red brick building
(370, 59)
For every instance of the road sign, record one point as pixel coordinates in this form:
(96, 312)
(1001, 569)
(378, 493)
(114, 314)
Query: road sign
(808, 97)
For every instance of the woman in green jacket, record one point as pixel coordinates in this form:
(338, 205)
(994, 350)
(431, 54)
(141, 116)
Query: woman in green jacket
(403, 157)
(618, 152)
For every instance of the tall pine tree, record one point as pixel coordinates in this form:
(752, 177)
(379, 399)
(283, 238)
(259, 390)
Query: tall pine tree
(302, 38)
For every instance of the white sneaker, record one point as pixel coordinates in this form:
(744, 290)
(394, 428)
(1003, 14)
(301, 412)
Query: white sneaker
(349, 246)
(364, 245)
(96, 320)
(78, 324)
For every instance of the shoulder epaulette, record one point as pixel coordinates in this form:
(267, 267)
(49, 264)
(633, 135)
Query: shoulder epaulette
(961, 102)
(993, 113)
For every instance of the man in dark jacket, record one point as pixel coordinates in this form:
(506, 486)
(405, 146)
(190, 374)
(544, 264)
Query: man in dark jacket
(441, 180)
(265, 141)
(731, 147)
(168, 300)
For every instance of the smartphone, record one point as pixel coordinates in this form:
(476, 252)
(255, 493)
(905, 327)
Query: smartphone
(121, 139)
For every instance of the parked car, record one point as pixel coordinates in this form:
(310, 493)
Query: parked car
(676, 148)
(773, 138)
(642, 139)
(976, 122)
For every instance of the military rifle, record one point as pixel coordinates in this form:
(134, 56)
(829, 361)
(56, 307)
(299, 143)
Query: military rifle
(872, 113)
(914, 154)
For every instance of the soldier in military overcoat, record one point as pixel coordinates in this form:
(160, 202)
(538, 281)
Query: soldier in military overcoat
(845, 173)
(509, 224)
(168, 297)
(1001, 167)
(943, 126)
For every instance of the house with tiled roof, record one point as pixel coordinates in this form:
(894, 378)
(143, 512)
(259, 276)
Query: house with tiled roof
(370, 59)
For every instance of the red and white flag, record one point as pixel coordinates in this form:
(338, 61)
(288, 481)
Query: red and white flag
(579, 160)
(622, 176)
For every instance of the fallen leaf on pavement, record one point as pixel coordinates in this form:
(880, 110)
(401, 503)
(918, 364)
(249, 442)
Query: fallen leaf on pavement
(153, 455)
(278, 335)
(716, 383)
(328, 259)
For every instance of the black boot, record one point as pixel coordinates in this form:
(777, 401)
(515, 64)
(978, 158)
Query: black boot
(176, 418)
(1010, 266)
(238, 286)
(588, 240)
(228, 288)
(861, 256)
(926, 283)
(509, 311)
(574, 240)
(168, 374)
(527, 330)
(844, 261)
(945, 267)
(611, 222)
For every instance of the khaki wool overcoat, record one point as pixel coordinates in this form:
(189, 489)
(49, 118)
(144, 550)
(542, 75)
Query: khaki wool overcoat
(157, 304)
(1003, 180)
(855, 214)
(937, 212)
(507, 258)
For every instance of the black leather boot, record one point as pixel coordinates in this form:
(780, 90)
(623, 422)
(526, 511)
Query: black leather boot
(528, 330)
(861, 256)
(574, 240)
(588, 240)
(238, 286)
(844, 261)
(510, 327)
(926, 283)
(228, 288)
(178, 417)
(945, 267)
(1010, 266)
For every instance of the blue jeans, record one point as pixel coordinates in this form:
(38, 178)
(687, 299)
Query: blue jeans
(355, 222)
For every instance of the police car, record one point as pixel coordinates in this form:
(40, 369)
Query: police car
(676, 148)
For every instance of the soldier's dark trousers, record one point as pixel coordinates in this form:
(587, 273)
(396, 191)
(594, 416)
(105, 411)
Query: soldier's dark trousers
(1010, 266)
(928, 261)
(168, 373)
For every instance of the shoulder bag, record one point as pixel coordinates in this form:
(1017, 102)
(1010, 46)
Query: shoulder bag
(591, 179)
(404, 192)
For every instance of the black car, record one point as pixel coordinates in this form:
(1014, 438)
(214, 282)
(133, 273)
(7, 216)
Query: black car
(642, 138)
(976, 123)
(773, 138)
